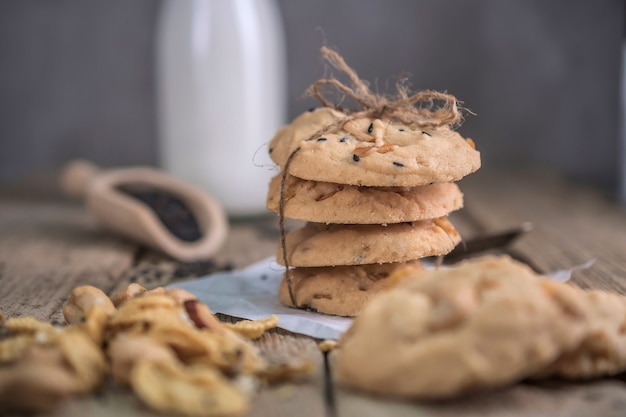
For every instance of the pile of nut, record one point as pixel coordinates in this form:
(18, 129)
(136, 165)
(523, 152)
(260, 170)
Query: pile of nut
(164, 343)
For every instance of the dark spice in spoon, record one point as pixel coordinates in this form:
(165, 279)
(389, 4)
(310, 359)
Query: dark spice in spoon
(170, 209)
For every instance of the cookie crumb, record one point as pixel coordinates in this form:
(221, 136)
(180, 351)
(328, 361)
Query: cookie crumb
(327, 345)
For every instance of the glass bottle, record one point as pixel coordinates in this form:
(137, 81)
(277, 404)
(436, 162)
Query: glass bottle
(221, 94)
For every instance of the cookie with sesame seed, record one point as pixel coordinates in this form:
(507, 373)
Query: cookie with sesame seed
(325, 202)
(371, 152)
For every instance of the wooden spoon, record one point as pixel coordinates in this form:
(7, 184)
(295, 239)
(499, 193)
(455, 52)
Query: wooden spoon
(107, 196)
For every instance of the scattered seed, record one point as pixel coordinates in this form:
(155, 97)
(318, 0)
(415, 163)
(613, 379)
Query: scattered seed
(398, 164)
(356, 158)
(322, 139)
(426, 133)
(401, 130)
(311, 109)
(370, 128)
(271, 150)
(173, 212)
(343, 139)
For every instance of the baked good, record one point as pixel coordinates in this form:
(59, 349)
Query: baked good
(319, 244)
(487, 322)
(341, 290)
(326, 202)
(372, 152)
(603, 350)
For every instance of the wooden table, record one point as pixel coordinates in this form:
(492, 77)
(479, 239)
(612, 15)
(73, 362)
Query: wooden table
(48, 246)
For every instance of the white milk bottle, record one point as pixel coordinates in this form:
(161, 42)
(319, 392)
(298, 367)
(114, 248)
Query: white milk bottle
(221, 94)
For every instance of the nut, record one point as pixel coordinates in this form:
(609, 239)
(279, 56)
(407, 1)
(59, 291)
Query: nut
(81, 300)
(84, 359)
(202, 317)
(126, 350)
(180, 296)
(131, 291)
(169, 387)
(328, 345)
(37, 383)
(253, 329)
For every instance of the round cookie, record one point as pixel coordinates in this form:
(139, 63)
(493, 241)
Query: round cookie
(372, 152)
(325, 202)
(319, 244)
(341, 290)
(487, 322)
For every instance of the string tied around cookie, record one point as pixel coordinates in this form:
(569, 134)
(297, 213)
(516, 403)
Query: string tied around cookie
(423, 108)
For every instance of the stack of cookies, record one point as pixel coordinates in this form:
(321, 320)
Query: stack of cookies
(375, 193)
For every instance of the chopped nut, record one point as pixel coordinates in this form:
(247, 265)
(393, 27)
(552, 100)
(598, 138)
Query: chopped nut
(131, 291)
(12, 349)
(168, 387)
(287, 371)
(180, 296)
(328, 345)
(453, 309)
(37, 383)
(253, 329)
(126, 350)
(28, 325)
(84, 358)
(95, 323)
(81, 300)
(203, 318)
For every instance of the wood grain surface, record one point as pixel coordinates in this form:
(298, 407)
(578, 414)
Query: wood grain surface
(48, 246)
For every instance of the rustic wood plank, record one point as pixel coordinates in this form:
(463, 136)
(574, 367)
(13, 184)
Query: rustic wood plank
(46, 250)
(601, 398)
(298, 398)
(572, 224)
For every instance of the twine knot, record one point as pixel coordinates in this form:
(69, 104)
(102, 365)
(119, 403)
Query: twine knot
(424, 108)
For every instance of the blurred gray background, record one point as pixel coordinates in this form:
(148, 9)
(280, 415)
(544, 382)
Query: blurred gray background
(76, 76)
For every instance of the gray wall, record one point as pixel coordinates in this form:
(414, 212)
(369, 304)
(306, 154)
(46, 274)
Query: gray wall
(542, 76)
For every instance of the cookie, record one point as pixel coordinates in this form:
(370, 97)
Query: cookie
(325, 202)
(488, 322)
(341, 290)
(372, 152)
(319, 244)
(603, 350)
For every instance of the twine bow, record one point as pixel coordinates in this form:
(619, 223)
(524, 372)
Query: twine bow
(424, 108)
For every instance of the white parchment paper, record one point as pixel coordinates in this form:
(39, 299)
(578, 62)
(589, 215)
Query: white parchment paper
(252, 293)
